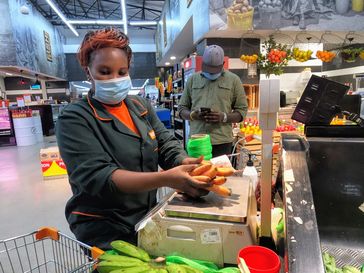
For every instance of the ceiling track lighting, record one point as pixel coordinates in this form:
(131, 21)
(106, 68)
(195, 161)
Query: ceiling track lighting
(112, 22)
(60, 14)
(143, 23)
(123, 13)
(96, 22)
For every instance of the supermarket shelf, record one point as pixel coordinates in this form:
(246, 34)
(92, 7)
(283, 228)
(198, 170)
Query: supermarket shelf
(178, 120)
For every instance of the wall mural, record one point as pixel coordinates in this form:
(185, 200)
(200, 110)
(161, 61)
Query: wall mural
(177, 14)
(28, 32)
(317, 15)
(7, 46)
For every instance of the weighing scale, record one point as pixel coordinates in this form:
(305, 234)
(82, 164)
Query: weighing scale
(212, 228)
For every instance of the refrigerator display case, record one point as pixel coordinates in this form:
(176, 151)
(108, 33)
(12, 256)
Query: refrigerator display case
(7, 136)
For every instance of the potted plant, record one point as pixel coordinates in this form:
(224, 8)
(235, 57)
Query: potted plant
(273, 58)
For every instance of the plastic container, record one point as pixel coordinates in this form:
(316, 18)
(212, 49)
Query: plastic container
(260, 259)
(251, 172)
(25, 132)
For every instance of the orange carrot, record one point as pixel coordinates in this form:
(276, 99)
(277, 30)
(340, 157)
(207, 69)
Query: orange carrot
(220, 190)
(219, 180)
(200, 169)
(225, 171)
(211, 172)
(202, 178)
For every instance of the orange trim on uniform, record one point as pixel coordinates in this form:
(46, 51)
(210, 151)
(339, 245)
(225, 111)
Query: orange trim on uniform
(87, 214)
(95, 112)
(144, 113)
(142, 106)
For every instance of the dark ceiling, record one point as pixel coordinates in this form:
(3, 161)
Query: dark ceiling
(100, 9)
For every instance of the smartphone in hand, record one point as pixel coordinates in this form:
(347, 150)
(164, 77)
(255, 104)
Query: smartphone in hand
(205, 110)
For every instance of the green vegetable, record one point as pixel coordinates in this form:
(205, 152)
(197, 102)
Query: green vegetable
(328, 259)
(350, 269)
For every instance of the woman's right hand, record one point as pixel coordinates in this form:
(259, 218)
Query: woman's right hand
(179, 178)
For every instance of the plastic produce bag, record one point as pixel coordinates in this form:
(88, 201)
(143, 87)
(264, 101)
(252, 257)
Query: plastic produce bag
(204, 266)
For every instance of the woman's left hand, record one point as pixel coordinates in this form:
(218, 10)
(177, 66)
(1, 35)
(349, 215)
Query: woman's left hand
(192, 160)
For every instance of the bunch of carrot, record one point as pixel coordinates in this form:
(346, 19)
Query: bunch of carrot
(207, 172)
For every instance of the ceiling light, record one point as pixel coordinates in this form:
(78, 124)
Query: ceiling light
(96, 22)
(8, 74)
(173, 57)
(143, 23)
(60, 14)
(167, 63)
(125, 18)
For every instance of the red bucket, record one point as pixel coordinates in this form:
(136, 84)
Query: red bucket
(260, 259)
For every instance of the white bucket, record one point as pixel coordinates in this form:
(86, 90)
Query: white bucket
(25, 131)
(38, 128)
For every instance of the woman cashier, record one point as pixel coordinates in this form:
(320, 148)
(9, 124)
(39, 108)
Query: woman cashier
(112, 144)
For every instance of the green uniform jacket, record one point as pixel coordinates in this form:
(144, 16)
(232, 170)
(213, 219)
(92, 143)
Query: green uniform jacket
(226, 94)
(93, 144)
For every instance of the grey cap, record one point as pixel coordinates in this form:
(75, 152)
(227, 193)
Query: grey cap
(213, 59)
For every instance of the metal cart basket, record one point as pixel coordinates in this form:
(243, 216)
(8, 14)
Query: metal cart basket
(46, 250)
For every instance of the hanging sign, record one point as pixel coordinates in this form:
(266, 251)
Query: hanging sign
(48, 48)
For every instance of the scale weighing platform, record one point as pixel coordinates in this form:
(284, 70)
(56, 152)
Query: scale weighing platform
(212, 228)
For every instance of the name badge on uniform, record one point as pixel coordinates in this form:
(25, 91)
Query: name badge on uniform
(152, 134)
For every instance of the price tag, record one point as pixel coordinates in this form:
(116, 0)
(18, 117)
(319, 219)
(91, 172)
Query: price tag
(210, 236)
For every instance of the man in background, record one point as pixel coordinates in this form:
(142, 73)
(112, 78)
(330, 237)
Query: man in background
(213, 99)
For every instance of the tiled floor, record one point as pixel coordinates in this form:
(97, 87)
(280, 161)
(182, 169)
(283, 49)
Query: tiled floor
(28, 202)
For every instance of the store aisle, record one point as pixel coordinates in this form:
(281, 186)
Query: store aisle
(28, 202)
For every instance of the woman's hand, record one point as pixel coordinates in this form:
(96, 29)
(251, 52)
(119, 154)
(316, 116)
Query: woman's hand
(179, 178)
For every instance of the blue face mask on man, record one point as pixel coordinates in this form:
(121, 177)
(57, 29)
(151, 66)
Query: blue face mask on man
(112, 91)
(210, 76)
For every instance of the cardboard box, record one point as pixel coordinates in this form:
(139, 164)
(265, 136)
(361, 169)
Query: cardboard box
(51, 153)
(52, 163)
(53, 168)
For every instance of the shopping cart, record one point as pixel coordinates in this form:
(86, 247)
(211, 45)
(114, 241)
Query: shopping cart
(46, 250)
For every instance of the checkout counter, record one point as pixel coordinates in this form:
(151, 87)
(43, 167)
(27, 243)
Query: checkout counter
(323, 189)
(323, 195)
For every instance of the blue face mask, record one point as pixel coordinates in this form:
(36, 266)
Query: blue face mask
(112, 91)
(210, 76)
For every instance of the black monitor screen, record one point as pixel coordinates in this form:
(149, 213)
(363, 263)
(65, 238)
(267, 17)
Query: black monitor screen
(319, 101)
